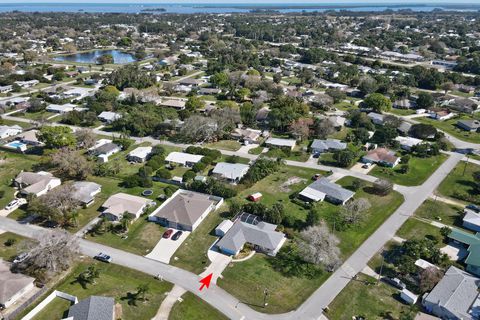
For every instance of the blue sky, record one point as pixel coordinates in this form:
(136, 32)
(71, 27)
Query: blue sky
(248, 1)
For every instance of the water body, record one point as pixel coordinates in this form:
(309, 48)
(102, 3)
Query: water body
(119, 57)
(219, 8)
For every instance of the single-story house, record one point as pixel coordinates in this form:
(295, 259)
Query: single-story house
(177, 104)
(406, 143)
(324, 189)
(36, 183)
(376, 118)
(455, 296)
(85, 192)
(182, 158)
(64, 108)
(321, 146)
(9, 131)
(381, 156)
(119, 204)
(30, 137)
(232, 172)
(441, 114)
(28, 83)
(190, 82)
(404, 127)
(185, 210)
(403, 104)
(139, 154)
(104, 151)
(93, 308)
(469, 125)
(281, 143)
(108, 116)
(261, 235)
(471, 220)
(209, 91)
(6, 89)
(248, 135)
(472, 243)
(12, 285)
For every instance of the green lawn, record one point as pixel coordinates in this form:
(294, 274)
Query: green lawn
(419, 170)
(142, 237)
(194, 308)
(10, 252)
(42, 115)
(381, 208)
(440, 211)
(247, 281)
(192, 254)
(229, 145)
(416, 229)
(256, 150)
(460, 181)
(450, 127)
(116, 282)
(362, 298)
(402, 112)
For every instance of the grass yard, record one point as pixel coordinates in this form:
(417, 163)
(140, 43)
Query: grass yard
(247, 280)
(381, 208)
(402, 112)
(362, 298)
(440, 211)
(229, 145)
(41, 115)
(449, 126)
(10, 166)
(416, 229)
(9, 252)
(460, 181)
(142, 237)
(256, 151)
(296, 155)
(419, 170)
(194, 308)
(192, 254)
(114, 281)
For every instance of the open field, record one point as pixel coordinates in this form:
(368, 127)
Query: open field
(193, 308)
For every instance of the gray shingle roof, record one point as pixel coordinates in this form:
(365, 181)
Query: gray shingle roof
(456, 292)
(93, 308)
(328, 144)
(331, 189)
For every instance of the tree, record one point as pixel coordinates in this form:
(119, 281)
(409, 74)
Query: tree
(193, 103)
(88, 276)
(318, 245)
(58, 205)
(56, 137)
(378, 102)
(247, 113)
(86, 138)
(425, 100)
(336, 94)
(54, 252)
(423, 131)
(71, 164)
(344, 158)
(313, 218)
(323, 128)
(428, 278)
(164, 173)
(199, 128)
(382, 187)
(353, 210)
(448, 86)
(29, 56)
(368, 85)
(300, 129)
(359, 135)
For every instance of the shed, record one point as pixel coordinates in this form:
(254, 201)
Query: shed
(255, 197)
(408, 296)
(223, 228)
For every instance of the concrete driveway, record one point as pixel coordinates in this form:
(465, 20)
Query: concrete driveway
(165, 248)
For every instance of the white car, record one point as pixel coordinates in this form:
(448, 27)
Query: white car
(15, 203)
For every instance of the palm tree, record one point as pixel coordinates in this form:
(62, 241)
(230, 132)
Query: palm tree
(125, 221)
(142, 291)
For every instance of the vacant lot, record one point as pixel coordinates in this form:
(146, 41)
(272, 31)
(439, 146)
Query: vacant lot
(247, 281)
(419, 171)
(116, 282)
(449, 126)
(363, 298)
(440, 211)
(416, 229)
(460, 183)
(229, 145)
(193, 308)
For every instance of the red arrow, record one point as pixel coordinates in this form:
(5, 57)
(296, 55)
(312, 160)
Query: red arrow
(206, 281)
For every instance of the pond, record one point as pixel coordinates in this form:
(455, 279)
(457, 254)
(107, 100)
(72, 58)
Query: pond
(119, 57)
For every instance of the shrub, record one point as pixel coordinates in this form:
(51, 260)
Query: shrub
(163, 173)
(188, 176)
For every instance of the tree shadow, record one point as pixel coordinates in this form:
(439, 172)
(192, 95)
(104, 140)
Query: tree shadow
(131, 298)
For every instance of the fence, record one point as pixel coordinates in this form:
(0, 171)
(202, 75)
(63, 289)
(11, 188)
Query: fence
(12, 315)
(47, 300)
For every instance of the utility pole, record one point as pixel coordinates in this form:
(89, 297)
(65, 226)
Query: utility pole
(465, 167)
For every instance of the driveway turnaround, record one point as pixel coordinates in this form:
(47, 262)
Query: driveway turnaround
(165, 248)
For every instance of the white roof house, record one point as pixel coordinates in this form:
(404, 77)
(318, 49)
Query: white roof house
(408, 296)
(185, 159)
(108, 116)
(223, 227)
(64, 108)
(9, 131)
(282, 143)
(407, 143)
(139, 154)
(233, 172)
(471, 220)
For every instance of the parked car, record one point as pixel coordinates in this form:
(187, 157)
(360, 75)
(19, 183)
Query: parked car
(395, 282)
(366, 165)
(15, 203)
(177, 235)
(167, 233)
(103, 257)
(473, 207)
(316, 176)
(21, 257)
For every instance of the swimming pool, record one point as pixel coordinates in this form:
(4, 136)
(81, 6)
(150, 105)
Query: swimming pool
(18, 145)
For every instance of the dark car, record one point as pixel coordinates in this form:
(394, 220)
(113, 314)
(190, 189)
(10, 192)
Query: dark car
(103, 257)
(167, 233)
(473, 207)
(177, 235)
(395, 282)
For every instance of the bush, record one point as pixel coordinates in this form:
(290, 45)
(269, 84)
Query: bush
(125, 143)
(156, 162)
(232, 159)
(188, 176)
(163, 173)
(10, 242)
(132, 181)
(169, 190)
(382, 187)
(199, 166)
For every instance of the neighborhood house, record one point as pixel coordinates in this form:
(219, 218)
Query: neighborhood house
(93, 308)
(323, 189)
(85, 192)
(121, 203)
(9, 131)
(280, 143)
(182, 158)
(12, 285)
(321, 146)
(36, 183)
(139, 154)
(232, 172)
(382, 156)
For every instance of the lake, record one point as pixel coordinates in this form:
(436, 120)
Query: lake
(119, 57)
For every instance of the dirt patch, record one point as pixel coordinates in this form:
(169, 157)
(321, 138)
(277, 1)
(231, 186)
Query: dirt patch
(285, 187)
